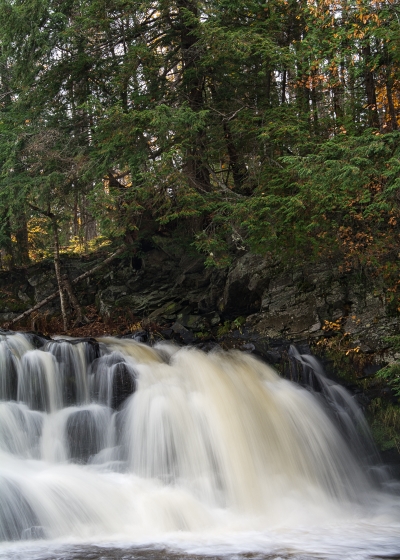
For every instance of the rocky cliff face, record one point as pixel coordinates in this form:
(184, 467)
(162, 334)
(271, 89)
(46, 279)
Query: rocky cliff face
(307, 302)
(275, 301)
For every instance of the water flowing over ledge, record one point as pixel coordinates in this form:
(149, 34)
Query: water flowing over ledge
(114, 441)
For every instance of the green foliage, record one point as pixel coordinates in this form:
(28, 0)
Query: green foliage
(224, 329)
(385, 424)
(393, 342)
(390, 374)
(271, 127)
(239, 322)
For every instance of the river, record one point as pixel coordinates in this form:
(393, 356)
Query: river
(112, 449)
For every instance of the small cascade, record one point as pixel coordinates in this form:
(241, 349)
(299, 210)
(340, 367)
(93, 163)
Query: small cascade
(20, 430)
(337, 402)
(112, 379)
(112, 437)
(72, 361)
(18, 343)
(77, 433)
(12, 348)
(17, 518)
(8, 373)
(39, 382)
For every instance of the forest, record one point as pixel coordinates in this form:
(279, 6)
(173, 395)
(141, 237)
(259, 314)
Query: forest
(219, 126)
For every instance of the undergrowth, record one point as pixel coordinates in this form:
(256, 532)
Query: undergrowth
(385, 424)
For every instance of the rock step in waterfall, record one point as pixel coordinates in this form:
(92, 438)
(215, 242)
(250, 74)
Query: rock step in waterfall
(111, 436)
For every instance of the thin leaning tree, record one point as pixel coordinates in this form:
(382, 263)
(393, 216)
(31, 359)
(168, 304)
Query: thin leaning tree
(64, 285)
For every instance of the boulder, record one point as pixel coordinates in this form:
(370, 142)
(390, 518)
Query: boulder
(123, 384)
(83, 436)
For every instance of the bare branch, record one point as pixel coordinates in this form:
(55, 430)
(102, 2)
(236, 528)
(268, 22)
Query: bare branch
(54, 295)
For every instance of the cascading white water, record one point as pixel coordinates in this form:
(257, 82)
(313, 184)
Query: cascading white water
(39, 382)
(115, 440)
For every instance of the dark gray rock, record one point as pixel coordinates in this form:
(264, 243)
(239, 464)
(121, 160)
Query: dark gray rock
(83, 436)
(247, 280)
(123, 384)
(183, 333)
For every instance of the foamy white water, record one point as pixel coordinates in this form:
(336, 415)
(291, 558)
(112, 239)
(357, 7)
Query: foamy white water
(118, 445)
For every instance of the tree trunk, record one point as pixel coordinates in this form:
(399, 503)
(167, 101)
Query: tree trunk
(21, 235)
(75, 229)
(373, 117)
(314, 101)
(283, 91)
(239, 170)
(80, 318)
(392, 109)
(6, 252)
(389, 89)
(195, 167)
(57, 266)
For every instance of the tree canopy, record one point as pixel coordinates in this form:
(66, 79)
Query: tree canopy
(218, 126)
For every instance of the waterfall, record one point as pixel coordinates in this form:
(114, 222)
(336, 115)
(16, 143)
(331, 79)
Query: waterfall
(112, 438)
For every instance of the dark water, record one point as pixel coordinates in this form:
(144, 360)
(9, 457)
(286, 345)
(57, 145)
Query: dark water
(91, 552)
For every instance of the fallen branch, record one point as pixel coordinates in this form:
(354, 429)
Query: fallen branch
(56, 294)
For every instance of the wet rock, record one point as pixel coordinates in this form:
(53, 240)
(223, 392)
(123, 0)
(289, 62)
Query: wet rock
(213, 318)
(113, 379)
(71, 369)
(208, 346)
(371, 369)
(139, 336)
(272, 357)
(166, 334)
(120, 423)
(92, 349)
(184, 314)
(107, 298)
(84, 439)
(294, 323)
(196, 323)
(37, 339)
(44, 289)
(248, 347)
(183, 333)
(123, 384)
(37, 278)
(9, 376)
(279, 301)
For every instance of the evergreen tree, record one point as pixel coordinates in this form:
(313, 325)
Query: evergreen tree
(225, 124)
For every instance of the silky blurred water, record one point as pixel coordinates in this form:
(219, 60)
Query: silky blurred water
(112, 449)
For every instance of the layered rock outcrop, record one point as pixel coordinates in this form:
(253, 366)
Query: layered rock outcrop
(277, 301)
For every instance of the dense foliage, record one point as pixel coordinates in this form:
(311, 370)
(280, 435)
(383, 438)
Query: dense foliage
(270, 126)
